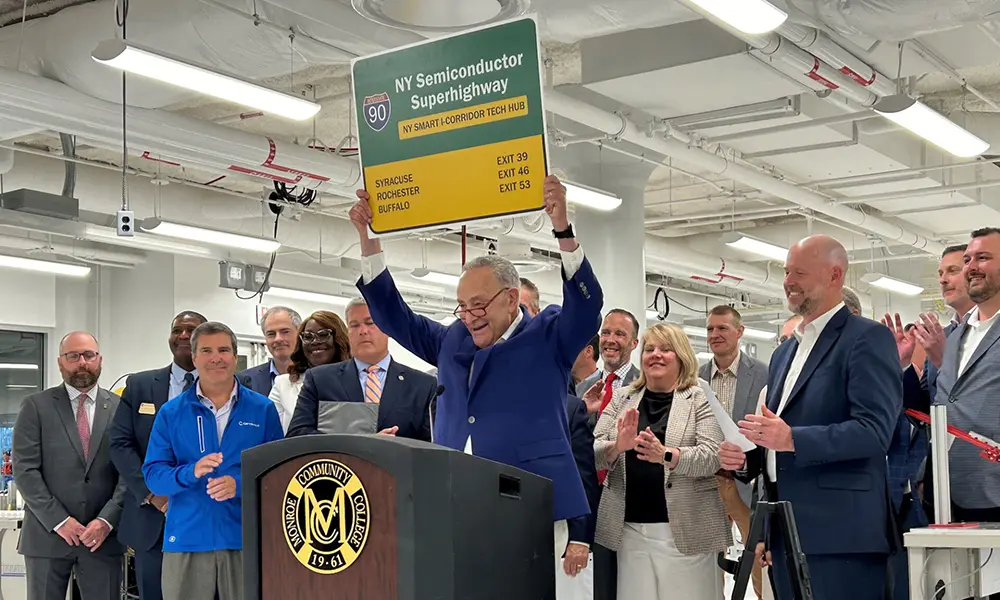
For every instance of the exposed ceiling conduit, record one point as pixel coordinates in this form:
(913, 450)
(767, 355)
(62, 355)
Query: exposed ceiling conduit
(610, 123)
(679, 260)
(53, 105)
(69, 150)
(80, 252)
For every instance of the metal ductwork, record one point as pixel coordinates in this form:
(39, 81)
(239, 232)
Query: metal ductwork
(45, 103)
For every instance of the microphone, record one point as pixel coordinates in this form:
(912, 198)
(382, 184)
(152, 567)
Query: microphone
(432, 408)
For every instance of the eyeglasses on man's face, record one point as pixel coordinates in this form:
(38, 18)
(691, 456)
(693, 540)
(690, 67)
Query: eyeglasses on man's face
(477, 311)
(322, 335)
(88, 355)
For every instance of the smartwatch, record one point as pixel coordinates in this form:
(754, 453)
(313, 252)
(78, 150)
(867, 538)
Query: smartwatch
(667, 457)
(565, 234)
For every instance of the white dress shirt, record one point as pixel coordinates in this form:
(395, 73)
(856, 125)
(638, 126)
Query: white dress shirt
(90, 407)
(74, 403)
(222, 413)
(807, 336)
(974, 335)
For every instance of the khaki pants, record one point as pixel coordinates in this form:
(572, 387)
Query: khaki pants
(203, 575)
(740, 514)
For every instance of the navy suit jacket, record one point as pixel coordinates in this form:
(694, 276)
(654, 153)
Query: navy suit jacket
(259, 378)
(140, 526)
(581, 529)
(514, 403)
(405, 401)
(842, 411)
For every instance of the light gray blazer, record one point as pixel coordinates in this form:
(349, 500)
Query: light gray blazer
(972, 405)
(697, 515)
(56, 481)
(751, 377)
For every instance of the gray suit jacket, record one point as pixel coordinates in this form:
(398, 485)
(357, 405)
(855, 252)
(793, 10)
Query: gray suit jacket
(589, 382)
(972, 405)
(56, 481)
(751, 377)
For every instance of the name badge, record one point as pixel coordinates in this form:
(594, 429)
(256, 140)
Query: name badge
(147, 408)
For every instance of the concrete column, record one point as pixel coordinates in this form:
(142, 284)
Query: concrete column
(613, 241)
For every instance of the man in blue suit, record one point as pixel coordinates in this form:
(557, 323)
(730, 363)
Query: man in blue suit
(403, 394)
(834, 396)
(141, 526)
(505, 375)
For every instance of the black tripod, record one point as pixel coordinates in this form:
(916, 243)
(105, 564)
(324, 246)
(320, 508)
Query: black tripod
(798, 570)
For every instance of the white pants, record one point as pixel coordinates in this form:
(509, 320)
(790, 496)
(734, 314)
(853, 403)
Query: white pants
(651, 568)
(580, 587)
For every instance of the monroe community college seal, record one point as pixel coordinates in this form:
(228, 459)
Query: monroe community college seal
(326, 516)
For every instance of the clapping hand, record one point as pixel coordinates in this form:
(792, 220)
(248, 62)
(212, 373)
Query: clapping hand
(628, 425)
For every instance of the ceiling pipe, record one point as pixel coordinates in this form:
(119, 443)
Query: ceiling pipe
(53, 105)
(84, 253)
(823, 47)
(673, 258)
(611, 123)
(69, 151)
(774, 46)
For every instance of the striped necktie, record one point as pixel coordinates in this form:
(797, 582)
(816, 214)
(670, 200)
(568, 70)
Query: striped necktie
(373, 386)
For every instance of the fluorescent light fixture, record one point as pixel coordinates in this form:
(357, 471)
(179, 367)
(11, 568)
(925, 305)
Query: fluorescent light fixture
(142, 241)
(748, 16)
(127, 56)
(748, 332)
(307, 296)
(209, 236)
(24, 386)
(931, 125)
(891, 284)
(18, 367)
(704, 356)
(755, 246)
(447, 319)
(43, 266)
(652, 315)
(591, 197)
(428, 276)
(758, 334)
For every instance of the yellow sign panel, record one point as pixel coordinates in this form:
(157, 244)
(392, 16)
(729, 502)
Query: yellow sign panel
(326, 516)
(464, 117)
(423, 190)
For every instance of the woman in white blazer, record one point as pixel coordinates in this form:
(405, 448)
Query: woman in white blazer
(322, 340)
(660, 508)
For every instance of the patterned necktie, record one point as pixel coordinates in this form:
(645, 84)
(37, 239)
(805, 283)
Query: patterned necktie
(83, 424)
(373, 387)
(605, 400)
(188, 380)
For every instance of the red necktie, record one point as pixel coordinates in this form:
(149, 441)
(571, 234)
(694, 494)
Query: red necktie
(83, 425)
(605, 400)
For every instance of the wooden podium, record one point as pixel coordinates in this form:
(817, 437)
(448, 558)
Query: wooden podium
(366, 517)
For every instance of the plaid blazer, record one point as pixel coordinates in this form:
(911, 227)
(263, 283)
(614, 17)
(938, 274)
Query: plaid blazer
(697, 516)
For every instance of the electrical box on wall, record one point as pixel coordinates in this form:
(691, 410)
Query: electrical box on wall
(232, 275)
(256, 280)
(126, 223)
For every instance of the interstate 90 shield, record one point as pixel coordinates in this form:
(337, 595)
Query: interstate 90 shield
(377, 109)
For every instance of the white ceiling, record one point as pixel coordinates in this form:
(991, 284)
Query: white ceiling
(669, 86)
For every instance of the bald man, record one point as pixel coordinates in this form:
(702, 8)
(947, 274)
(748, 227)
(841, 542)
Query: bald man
(72, 493)
(835, 393)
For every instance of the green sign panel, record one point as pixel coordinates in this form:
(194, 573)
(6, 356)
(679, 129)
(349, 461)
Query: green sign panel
(452, 130)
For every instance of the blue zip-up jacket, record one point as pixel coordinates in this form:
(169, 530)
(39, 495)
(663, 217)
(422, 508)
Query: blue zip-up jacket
(183, 432)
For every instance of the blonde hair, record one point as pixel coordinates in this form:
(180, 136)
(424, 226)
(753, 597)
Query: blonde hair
(674, 338)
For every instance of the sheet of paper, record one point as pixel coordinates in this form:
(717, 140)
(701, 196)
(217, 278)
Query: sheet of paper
(730, 430)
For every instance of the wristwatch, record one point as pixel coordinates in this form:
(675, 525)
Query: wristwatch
(667, 457)
(565, 234)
